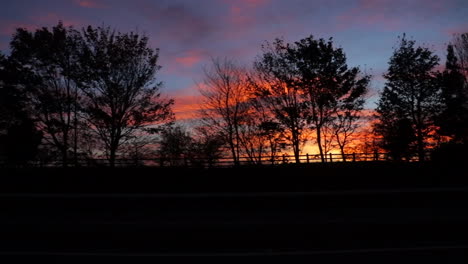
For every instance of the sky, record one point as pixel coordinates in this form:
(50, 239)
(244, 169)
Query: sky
(191, 32)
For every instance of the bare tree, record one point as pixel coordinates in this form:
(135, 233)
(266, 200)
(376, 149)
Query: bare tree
(122, 95)
(260, 134)
(345, 124)
(224, 107)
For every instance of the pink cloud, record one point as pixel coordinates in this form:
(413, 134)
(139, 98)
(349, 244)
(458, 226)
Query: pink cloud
(53, 18)
(190, 58)
(88, 4)
(460, 29)
(242, 12)
(7, 28)
(255, 3)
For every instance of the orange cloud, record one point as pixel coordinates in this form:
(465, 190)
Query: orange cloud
(187, 102)
(186, 106)
(88, 4)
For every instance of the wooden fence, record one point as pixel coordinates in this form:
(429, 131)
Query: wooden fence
(220, 162)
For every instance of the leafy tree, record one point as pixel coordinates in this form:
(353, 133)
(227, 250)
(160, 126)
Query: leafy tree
(19, 138)
(51, 58)
(175, 144)
(207, 146)
(120, 91)
(316, 82)
(334, 91)
(275, 84)
(398, 137)
(22, 140)
(410, 94)
(453, 121)
(460, 46)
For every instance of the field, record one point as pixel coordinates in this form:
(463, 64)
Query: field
(371, 212)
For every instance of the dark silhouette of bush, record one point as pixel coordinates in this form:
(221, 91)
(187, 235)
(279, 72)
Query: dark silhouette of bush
(450, 153)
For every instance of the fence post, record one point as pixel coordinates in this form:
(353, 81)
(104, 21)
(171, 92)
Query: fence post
(307, 155)
(354, 157)
(331, 159)
(284, 158)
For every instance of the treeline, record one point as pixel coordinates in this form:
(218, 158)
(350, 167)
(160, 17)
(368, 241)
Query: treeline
(70, 94)
(305, 92)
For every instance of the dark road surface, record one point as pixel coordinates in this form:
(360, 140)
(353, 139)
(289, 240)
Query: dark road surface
(389, 220)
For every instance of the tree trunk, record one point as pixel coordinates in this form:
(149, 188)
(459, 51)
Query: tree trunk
(295, 141)
(420, 145)
(75, 125)
(65, 150)
(233, 151)
(64, 156)
(319, 143)
(296, 152)
(343, 155)
(113, 151)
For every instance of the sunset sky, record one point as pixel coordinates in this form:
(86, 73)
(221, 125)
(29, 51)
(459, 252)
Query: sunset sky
(190, 32)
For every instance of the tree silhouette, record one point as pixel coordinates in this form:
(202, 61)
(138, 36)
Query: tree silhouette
(175, 145)
(453, 121)
(460, 45)
(207, 146)
(410, 94)
(261, 135)
(344, 126)
(19, 138)
(334, 91)
(51, 58)
(121, 93)
(275, 85)
(224, 106)
(317, 84)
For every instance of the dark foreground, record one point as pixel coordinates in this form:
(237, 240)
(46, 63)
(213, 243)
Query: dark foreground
(364, 212)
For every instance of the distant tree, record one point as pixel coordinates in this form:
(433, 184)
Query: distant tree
(22, 140)
(51, 58)
(344, 127)
(121, 95)
(138, 149)
(19, 137)
(460, 46)
(175, 145)
(411, 94)
(207, 146)
(275, 84)
(224, 108)
(453, 121)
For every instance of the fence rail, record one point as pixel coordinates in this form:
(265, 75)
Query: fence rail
(219, 162)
